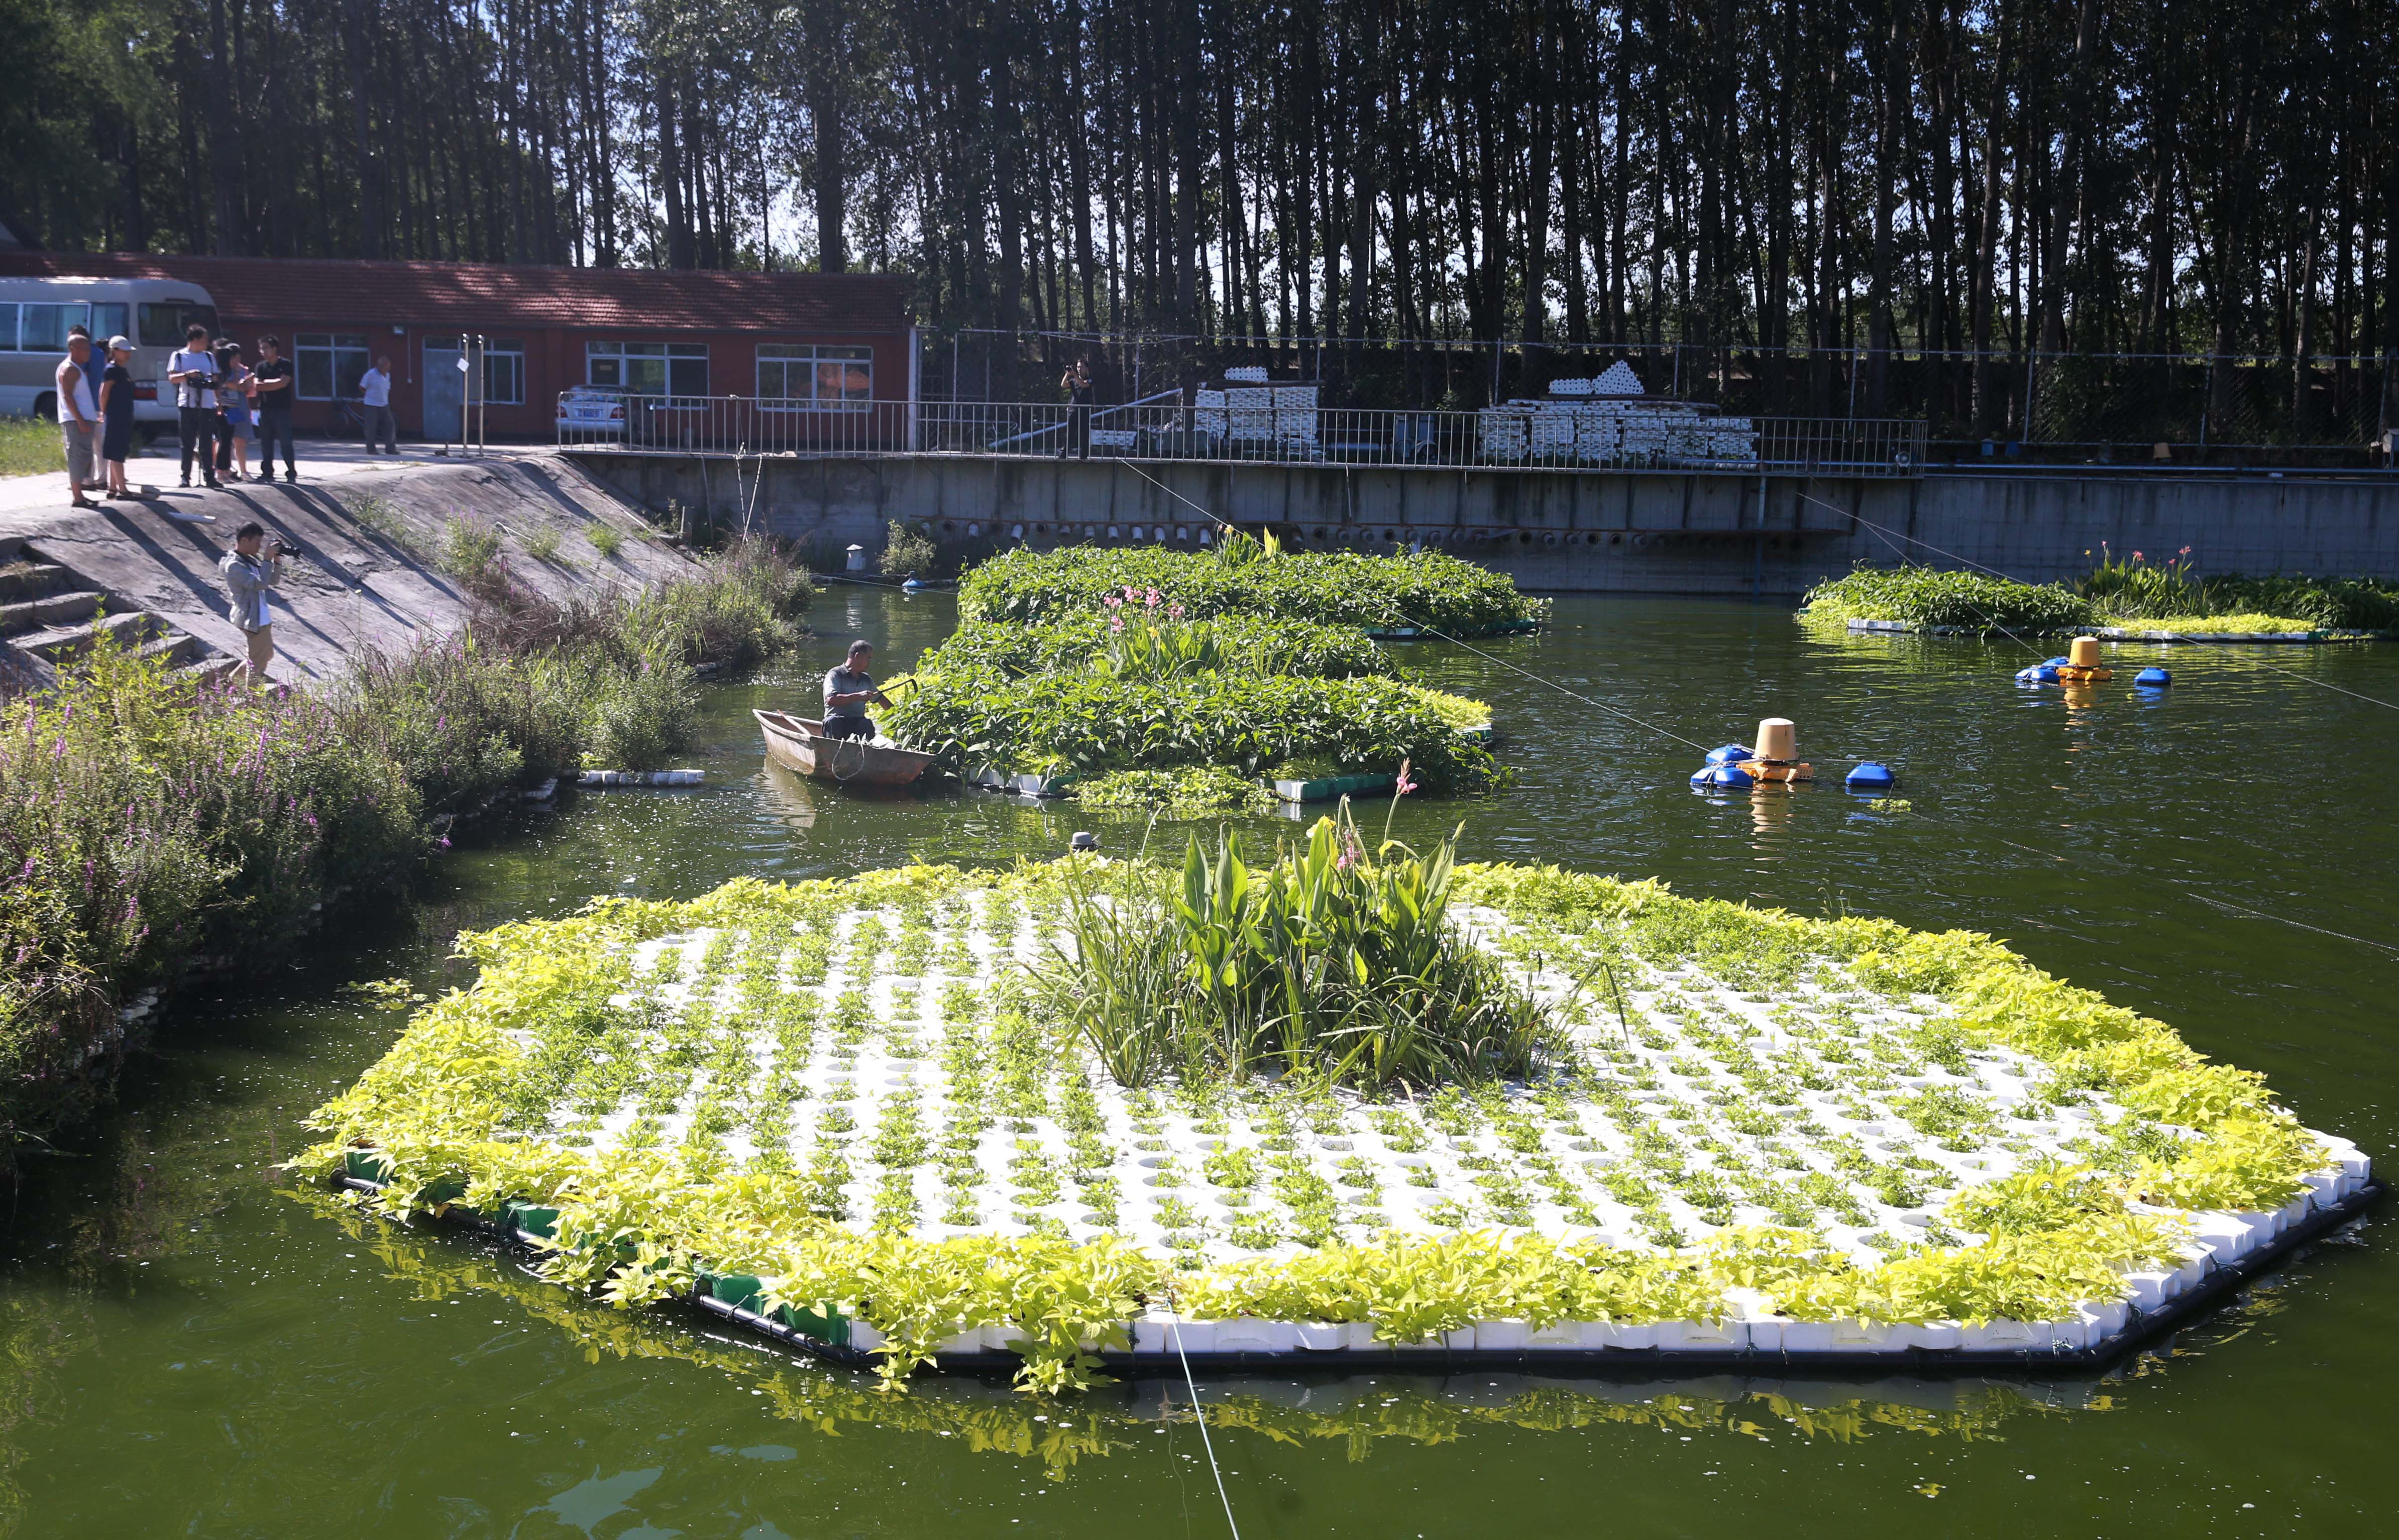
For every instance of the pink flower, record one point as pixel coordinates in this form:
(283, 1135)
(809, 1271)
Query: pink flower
(1156, 598)
(2185, 551)
(1113, 602)
(1115, 624)
(1174, 611)
(2137, 556)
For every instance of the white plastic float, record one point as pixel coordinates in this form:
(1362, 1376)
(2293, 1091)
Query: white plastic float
(1399, 1168)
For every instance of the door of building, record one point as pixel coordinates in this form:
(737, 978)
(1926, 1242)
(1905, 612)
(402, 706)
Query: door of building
(445, 390)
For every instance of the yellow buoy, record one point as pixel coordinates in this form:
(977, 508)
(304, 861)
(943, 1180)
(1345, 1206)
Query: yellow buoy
(2082, 666)
(1777, 752)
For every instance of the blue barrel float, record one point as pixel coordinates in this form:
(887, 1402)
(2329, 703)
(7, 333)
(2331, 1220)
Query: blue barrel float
(1724, 777)
(1871, 779)
(2152, 679)
(2081, 665)
(1735, 767)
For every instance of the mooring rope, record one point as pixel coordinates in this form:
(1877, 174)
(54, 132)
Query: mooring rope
(1175, 1318)
(2194, 888)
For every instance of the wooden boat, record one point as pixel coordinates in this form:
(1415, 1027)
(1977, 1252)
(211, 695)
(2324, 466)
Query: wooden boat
(799, 744)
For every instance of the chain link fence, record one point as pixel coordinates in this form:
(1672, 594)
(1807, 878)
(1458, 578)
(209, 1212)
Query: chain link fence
(2080, 406)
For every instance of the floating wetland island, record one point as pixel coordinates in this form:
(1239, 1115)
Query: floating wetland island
(1341, 1101)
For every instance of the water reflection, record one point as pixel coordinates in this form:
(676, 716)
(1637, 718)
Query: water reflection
(1353, 1414)
(264, 1333)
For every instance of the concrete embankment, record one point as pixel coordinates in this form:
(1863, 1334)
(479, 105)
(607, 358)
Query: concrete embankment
(1592, 531)
(375, 566)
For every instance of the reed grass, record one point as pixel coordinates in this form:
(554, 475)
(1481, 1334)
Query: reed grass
(1337, 960)
(146, 820)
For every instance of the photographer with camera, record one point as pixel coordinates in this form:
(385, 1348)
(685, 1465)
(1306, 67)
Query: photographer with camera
(250, 569)
(191, 370)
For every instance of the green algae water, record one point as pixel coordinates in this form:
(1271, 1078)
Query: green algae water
(199, 1348)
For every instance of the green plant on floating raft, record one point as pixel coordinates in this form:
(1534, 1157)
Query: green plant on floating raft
(1374, 592)
(647, 1003)
(1191, 793)
(1334, 960)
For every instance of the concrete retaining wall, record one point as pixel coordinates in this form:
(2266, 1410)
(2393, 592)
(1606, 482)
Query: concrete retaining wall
(1658, 532)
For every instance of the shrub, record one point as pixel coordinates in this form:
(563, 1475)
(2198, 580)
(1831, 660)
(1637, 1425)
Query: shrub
(469, 550)
(637, 719)
(1965, 600)
(746, 609)
(1374, 593)
(907, 553)
(604, 538)
(2137, 589)
(143, 820)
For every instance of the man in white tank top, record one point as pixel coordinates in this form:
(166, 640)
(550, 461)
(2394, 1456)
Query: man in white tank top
(79, 413)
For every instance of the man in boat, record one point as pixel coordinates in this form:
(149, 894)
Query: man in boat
(848, 688)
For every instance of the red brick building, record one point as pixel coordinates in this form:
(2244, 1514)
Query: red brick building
(821, 348)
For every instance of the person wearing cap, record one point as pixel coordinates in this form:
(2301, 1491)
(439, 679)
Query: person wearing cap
(117, 415)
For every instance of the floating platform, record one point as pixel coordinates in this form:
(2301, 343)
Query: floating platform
(2120, 633)
(767, 1096)
(2126, 633)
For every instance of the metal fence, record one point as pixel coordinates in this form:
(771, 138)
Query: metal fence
(2082, 405)
(1548, 436)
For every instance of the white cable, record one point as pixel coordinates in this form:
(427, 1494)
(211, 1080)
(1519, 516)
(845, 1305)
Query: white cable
(1174, 1318)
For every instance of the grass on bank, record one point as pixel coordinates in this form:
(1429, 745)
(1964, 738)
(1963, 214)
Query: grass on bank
(145, 820)
(31, 447)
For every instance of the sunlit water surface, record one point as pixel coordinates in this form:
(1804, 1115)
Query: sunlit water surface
(196, 1350)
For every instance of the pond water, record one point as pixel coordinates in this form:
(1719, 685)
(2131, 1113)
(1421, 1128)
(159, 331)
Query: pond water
(197, 1349)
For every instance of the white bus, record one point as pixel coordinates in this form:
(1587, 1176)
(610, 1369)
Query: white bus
(35, 313)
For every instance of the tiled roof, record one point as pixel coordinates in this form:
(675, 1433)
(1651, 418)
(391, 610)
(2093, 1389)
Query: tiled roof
(288, 290)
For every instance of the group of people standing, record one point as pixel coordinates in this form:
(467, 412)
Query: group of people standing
(95, 415)
(224, 406)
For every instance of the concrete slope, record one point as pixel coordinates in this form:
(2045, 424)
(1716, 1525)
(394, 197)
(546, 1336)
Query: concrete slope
(371, 550)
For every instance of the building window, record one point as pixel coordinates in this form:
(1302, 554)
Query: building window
(647, 369)
(799, 377)
(328, 363)
(504, 372)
